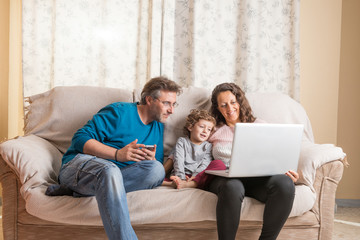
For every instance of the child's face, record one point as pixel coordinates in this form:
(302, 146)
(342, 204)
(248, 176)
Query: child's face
(201, 130)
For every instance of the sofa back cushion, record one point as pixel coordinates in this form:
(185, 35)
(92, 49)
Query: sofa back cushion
(191, 98)
(58, 113)
(271, 107)
(280, 108)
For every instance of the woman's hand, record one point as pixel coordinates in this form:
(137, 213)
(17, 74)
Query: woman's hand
(293, 175)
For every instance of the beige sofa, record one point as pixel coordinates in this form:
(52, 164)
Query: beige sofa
(30, 163)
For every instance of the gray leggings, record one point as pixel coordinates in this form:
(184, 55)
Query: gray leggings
(277, 192)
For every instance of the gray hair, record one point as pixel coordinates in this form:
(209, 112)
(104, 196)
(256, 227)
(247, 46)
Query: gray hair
(155, 85)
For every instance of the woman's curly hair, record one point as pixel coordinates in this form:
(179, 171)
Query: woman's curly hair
(195, 116)
(246, 114)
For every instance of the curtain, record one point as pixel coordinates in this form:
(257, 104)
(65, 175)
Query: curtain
(196, 43)
(252, 43)
(96, 43)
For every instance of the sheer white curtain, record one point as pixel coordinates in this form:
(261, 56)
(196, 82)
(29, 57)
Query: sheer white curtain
(251, 42)
(98, 43)
(122, 44)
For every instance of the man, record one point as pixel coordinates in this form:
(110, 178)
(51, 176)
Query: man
(108, 158)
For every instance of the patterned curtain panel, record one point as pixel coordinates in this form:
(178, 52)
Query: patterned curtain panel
(121, 43)
(97, 43)
(254, 43)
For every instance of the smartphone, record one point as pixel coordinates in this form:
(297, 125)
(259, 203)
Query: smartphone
(149, 147)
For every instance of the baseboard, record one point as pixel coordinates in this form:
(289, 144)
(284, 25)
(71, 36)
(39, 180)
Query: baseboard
(348, 202)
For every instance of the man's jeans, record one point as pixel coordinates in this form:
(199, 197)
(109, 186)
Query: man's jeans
(90, 176)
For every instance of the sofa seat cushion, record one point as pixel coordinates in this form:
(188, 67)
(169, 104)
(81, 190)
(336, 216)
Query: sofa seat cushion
(308, 219)
(160, 205)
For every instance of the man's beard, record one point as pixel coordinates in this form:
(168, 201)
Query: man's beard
(162, 117)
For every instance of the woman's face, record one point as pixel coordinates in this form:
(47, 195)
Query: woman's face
(229, 107)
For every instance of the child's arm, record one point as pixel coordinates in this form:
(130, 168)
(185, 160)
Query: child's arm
(179, 158)
(206, 159)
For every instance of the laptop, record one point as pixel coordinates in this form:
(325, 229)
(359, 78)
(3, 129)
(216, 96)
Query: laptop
(263, 149)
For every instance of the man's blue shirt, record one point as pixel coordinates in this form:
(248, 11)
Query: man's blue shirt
(117, 125)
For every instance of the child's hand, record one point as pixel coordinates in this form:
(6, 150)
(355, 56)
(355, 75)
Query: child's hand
(188, 179)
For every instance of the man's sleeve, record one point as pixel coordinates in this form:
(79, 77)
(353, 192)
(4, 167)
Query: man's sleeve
(98, 128)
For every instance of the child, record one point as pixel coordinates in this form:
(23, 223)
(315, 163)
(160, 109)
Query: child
(192, 154)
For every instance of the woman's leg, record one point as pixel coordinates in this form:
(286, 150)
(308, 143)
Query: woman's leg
(230, 192)
(277, 192)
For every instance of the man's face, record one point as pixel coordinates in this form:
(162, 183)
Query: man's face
(163, 106)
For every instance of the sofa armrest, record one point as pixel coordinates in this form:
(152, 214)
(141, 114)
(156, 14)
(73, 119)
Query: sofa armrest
(34, 160)
(327, 179)
(10, 188)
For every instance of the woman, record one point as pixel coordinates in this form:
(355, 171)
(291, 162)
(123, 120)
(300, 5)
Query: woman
(230, 106)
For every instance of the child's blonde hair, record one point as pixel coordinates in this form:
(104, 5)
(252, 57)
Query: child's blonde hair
(194, 116)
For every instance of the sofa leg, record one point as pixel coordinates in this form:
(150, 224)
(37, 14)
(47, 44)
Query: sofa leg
(326, 212)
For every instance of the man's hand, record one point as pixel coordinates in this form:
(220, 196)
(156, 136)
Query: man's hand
(150, 154)
(135, 152)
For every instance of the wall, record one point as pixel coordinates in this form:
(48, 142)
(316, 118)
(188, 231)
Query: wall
(320, 61)
(4, 67)
(15, 100)
(349, 99)
(11, 105)
(330, 79)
